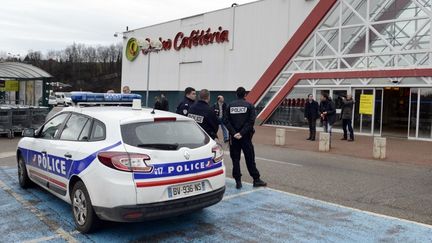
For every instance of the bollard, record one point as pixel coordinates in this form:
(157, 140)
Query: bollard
(324, 142)
(379, 148)
(280, 136)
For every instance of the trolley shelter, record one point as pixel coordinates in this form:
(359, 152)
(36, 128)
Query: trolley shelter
(23, 84)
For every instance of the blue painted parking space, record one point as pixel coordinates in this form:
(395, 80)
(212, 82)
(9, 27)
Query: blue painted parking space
(247, 215)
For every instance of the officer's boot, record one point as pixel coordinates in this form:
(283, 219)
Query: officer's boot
(259, 183)
(238, 184)
(313, 136)
(310, 136)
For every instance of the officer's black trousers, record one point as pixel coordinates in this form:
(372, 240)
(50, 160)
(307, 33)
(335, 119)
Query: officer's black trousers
(245, 144)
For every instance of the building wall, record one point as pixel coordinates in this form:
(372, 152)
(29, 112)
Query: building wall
(257, 34)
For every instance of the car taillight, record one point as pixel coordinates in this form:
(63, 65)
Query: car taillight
(125, 161)
(217, 153)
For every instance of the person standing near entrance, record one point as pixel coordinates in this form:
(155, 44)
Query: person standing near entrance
(328, 113)
(311, 115)
(164, 102)
(204, 115)
(347, 108)
(240, 119)
(189, 99)
(219, 108)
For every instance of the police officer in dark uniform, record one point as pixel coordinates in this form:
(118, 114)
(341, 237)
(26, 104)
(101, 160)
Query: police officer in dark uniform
(189, 99)
(239, 120)
(204, 115)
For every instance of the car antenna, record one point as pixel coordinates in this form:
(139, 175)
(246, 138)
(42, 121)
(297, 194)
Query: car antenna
(153, 111)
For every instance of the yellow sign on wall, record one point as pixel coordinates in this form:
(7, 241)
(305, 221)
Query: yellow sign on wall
(366, 104)
(9, 85)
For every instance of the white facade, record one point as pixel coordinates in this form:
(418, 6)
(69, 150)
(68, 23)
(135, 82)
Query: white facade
(257, 33)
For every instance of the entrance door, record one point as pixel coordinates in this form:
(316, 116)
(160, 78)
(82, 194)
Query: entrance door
(364, 123)
(396, 112)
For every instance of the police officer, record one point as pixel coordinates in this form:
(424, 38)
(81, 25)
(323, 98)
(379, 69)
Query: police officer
(240, 119)
(204, 115)
(189, 99)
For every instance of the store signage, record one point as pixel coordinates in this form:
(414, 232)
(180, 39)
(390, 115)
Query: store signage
(366, 104)
(9, 85)
(181, 41)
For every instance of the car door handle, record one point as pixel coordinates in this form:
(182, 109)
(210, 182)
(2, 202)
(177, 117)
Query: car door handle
(68, 155)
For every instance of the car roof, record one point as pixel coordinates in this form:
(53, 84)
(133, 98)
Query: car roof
(122, 113)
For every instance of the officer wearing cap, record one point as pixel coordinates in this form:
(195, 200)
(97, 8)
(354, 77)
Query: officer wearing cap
(189, 99)
(239, 120)
(204, 115)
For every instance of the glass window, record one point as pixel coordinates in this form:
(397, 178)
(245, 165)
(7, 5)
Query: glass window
(50, 129)
(167, 135)
(84, 136)
(98, 131)
(73, 127)
(425, 116)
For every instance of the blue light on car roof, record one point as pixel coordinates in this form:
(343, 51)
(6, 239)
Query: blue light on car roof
(102, 97)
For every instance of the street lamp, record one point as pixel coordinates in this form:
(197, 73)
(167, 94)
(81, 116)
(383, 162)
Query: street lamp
(148, 46)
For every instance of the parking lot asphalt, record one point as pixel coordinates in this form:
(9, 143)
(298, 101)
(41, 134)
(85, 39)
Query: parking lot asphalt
(247, 215)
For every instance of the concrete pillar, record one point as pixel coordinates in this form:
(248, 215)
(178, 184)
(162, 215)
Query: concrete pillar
(280, 136)
(324, 142)
(379, 148)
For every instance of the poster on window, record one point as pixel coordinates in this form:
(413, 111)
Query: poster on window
(366, 104)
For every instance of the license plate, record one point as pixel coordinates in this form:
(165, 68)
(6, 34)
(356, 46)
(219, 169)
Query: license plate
(186, 189)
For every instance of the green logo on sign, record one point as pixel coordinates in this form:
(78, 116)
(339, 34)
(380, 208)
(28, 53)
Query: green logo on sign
(132, 49)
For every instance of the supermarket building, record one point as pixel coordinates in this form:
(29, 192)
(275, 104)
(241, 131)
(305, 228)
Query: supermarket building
(282, 50)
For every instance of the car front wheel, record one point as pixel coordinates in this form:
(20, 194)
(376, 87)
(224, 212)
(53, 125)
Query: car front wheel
(84, 216)
(23, 178)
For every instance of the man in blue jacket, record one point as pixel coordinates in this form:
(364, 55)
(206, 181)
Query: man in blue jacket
(189, 99)
(240, 119)
(204, 115)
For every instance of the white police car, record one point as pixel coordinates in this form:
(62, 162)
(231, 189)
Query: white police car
(122, 164)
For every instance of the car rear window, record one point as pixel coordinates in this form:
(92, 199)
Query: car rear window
(164, 135)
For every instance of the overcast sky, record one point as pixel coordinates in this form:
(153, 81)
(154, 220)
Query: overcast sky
(53, 24)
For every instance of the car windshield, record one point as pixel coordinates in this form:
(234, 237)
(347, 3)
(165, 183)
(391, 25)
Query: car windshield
(166, 135)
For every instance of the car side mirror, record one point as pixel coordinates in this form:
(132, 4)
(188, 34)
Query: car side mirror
(29, 132)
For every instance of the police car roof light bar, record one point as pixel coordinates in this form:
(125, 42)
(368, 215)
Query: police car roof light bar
(103, 98)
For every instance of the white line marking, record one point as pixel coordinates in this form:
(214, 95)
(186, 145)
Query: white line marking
(278, 162)
(7, 154)
(241, 194)
(42, 239)
(270, 160)
(344, 207)
(58, 230)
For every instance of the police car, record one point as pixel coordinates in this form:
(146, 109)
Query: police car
(122, 163)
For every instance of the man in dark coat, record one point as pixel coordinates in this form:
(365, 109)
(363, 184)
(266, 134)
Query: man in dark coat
(164, 103)
(204, 115)
(239, 120)
(219, 108)
(311, 114)
(157, 104)
(347, 108)
(328, 112)
(189, 99)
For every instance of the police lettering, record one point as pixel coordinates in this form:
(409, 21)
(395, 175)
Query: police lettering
(50, 164)
(197, 118)
(238, 110)
(186, 167)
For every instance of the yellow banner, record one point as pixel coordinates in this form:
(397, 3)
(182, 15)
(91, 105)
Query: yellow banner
(366, 104)
(10, 85)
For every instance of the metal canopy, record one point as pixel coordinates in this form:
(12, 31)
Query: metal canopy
(21, 71)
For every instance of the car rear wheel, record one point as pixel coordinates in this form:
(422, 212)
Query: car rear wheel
(85, 218)
(23, 177)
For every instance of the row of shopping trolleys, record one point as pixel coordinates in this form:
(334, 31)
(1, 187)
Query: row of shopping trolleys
(15, 118)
